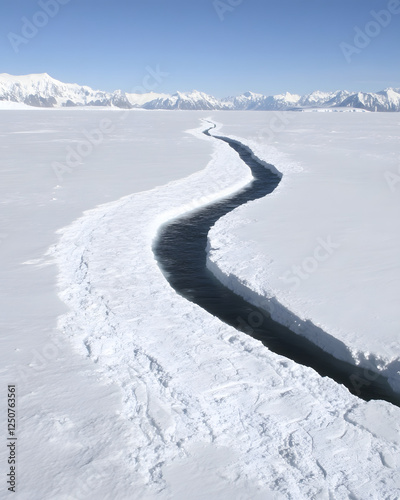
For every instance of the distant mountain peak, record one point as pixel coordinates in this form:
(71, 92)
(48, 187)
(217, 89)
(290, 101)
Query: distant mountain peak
(251, 94)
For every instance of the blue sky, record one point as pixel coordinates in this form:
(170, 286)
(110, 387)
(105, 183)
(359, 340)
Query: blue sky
(225, 48)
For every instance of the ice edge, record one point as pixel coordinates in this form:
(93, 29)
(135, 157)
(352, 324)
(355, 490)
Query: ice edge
(281, 314)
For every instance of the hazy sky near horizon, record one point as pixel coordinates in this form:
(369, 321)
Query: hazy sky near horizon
(222, 47)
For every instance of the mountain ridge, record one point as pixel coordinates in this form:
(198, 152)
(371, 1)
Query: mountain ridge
(41, 90)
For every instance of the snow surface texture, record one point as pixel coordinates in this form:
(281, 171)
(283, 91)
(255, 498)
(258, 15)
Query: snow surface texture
(69, 429)
(324, 246)
(44, 91)
(166, 402)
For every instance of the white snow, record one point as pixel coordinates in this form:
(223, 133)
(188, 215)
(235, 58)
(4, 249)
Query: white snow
(288, 98)
(43, 90)
(13, 105)
(141, 99)
(139, 393)
(325, 244)
(334, 110)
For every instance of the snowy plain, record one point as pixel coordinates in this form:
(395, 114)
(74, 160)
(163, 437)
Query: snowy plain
(125, 389)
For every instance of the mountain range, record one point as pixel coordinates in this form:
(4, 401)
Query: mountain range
(41, 90)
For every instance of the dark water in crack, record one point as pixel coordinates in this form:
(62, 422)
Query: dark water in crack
(180, 250)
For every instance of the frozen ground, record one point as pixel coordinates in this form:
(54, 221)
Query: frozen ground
(325, 244)
(139, 393)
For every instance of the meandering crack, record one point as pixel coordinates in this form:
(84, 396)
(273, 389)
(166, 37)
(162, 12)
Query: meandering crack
(180, 250)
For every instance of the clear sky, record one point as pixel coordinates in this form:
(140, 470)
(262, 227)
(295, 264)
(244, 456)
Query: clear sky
(222, 47)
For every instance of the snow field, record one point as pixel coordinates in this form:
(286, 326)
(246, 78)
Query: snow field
(203, 400)
(139, 393)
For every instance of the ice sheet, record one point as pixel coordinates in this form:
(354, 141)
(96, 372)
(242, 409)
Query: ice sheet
(139, 393)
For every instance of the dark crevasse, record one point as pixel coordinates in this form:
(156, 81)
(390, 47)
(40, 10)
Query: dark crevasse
(180, 250)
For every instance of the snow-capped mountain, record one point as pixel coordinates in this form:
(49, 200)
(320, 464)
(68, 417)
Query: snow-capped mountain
(185, 100)
(252, 101)
(139, 100)
(281, 101)
(40, 90)
(386, 100)
(248, 100)
(318, 98)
